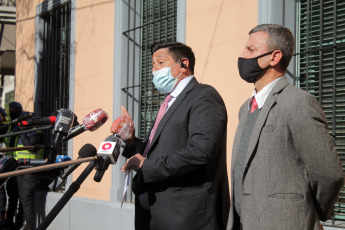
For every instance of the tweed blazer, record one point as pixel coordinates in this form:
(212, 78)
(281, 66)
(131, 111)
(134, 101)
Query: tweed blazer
(292, 174)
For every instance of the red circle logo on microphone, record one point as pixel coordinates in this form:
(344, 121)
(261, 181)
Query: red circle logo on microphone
(106, 146)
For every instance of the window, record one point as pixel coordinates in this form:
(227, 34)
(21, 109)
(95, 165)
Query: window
(52, 90)
(149, 21)
(320, 66)
(54, 59)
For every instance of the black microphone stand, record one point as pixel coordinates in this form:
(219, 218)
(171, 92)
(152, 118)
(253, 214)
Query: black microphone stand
(67, 196)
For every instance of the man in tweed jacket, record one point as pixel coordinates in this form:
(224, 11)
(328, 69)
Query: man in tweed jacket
(285, 171)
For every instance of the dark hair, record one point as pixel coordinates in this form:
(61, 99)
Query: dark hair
(279, 38)
(16, 105)
(177, 50)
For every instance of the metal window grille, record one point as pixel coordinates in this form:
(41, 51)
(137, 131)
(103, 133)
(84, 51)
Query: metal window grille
(320, 67)
(54, 61)
(149, 21)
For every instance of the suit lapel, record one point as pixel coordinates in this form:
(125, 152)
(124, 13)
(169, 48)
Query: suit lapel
(269, 103)
(171, 110)
(243, 117)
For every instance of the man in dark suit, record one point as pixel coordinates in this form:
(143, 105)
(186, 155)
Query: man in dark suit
(285, 171)
(181, 181)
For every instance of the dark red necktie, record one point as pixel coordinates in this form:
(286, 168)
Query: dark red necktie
(254, 105)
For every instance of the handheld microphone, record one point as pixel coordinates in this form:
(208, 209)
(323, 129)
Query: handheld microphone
(36, 121)
(63, 124)
(108, 153)
(91, 122)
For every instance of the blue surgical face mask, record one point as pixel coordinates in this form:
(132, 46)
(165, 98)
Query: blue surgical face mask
(163, 80)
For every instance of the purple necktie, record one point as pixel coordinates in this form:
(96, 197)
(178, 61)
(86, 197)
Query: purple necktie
(161, 112)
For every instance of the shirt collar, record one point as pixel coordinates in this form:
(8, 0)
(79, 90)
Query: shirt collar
(180, 86)
(261, 96)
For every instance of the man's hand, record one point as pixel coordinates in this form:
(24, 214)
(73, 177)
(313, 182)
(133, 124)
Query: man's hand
(135, 163)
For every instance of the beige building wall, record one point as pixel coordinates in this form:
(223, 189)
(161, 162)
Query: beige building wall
(94, 82)
(217, 31)
(25, 53)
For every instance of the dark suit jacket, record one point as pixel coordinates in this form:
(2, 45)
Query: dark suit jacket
(292, 174)
(185, 171)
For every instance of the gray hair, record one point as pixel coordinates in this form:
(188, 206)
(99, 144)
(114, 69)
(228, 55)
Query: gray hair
(279, 38)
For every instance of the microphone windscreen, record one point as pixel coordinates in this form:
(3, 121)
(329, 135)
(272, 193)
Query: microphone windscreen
(64, 121)
(95, 119)
(88, 150)
(8, 164)
(123, 126)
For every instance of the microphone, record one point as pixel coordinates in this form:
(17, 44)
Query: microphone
(21, 118)
(67, 196)
(36, 121)
(87, 150)
(123, 126)
(108, 153)
(91, 122)
(4, 128)
(110, 147)
(63, 124)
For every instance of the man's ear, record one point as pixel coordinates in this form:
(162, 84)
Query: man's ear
(184, 63)
(276, 57)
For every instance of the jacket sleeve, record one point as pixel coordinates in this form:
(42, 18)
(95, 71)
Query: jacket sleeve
(34, 138)
(207, 120)
(317, 153)
(137, 147)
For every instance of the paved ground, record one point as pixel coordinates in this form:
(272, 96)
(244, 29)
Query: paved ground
(338, 225)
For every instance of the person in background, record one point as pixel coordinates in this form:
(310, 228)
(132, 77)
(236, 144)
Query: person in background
(27, 184)
(3, 197)
(14, 213)
(285, 171)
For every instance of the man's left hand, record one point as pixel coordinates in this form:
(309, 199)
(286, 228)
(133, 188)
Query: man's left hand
(135, 163)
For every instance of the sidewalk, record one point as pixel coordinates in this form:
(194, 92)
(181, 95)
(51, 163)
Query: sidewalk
(338, 225)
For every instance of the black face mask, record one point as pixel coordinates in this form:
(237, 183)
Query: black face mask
(14, 115)
(249, 68)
